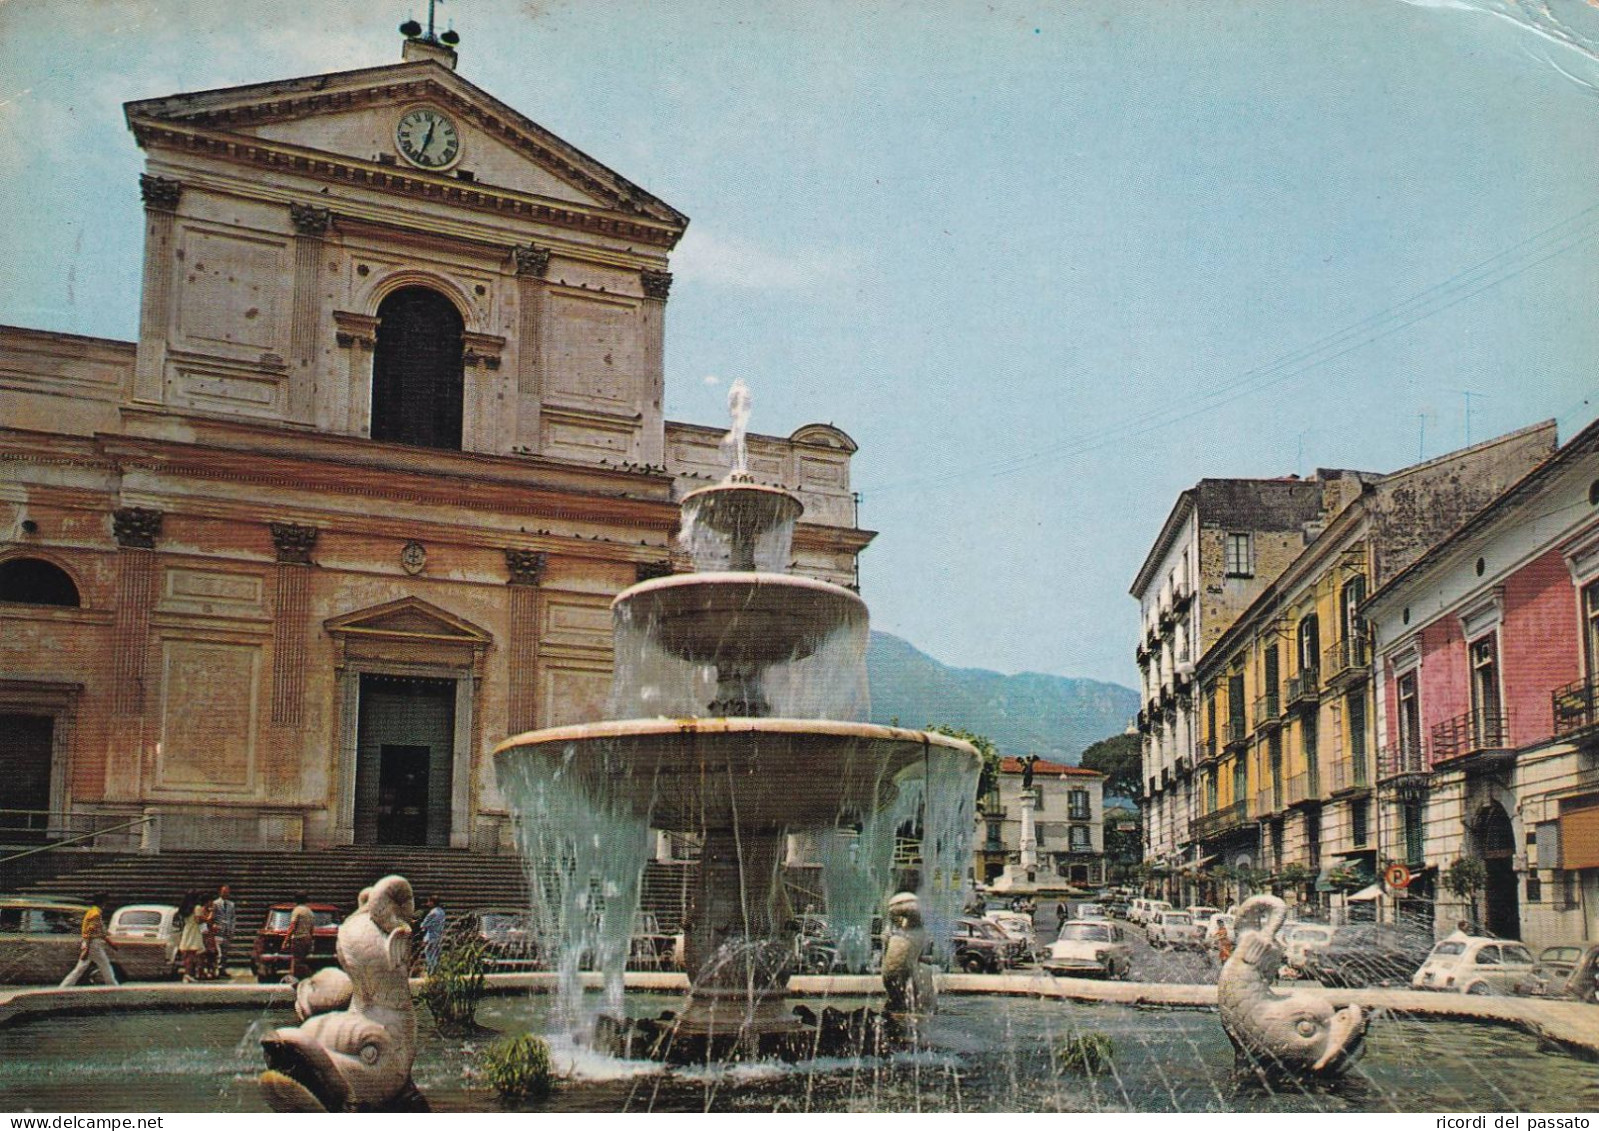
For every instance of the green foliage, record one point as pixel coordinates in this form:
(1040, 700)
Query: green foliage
(454, 988)
(1347, 877)
(1466, 876)
(1294, 876)
(1088, 1053)
(1120, 758)
(519, 1068)
(988, 778)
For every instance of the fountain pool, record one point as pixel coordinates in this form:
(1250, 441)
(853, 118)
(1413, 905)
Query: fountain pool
(983, 1054)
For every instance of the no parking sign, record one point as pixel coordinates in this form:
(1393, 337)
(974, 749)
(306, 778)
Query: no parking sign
(1397, 876)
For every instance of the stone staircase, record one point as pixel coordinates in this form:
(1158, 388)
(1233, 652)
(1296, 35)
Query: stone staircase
(461, 879)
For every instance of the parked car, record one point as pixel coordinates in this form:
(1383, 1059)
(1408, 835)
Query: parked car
(1092, 911)
(817, 949)
(1089, 946)
(40, 937)
(1477, 966)
(505, 933)
(1144, 911)
(1367, 953)
(1175, 929)
(1018, 928)
(268, 960)
(1570, 970)
(1300, 938)
(147, 930)
(1117, 907)
(1200, 912)
(980, 947)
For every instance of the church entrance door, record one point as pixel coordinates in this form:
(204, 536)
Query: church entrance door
(26, 743)
(405, 749)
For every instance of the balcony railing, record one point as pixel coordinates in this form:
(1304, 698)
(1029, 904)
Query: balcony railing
(1269, 801)
(1346, 661)
(1219, 821)
(1349, 775)
(1304, 689)
(1475, 732)
(1237, 733)
(1305, 787)
(1267, 710)
(1403, 770)
(1576, 706)
(1204, 751)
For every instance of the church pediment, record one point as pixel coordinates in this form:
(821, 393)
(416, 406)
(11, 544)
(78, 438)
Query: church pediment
(354, 116)
(408, 618)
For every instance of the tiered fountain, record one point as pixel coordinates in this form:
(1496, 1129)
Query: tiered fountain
(739, 697)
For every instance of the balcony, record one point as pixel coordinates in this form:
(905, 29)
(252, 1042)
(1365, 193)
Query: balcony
(1350, 776)
(1220, 821)
(1305, 789)
(1477, 740)
(1576, 708)
(1143, 722)
(1268, 711)
(1236, 734)
(1304, 690)
(1204, 751)
(1268, 802)
(1403, 772)
(1141, 654)
(1182, 597)
(1346, 663)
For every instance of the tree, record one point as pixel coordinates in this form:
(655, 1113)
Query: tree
(1465, 877)
(1121, 759)
(988, 777)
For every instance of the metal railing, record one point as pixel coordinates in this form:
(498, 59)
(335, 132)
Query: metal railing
(1220, 821)
(1346, 660)
(1304, 687)
(1269, 801)
(1204, 751)
(1469, 733)
(1575, 706)
(1237, 732)
(1267, 709)
(1304, 787)
(43, 830)
(1350, 774)
(1403, 771)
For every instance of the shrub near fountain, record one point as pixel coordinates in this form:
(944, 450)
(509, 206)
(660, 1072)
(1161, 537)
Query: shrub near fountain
(736, 703)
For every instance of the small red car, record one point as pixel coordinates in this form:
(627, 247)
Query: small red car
(269, 962)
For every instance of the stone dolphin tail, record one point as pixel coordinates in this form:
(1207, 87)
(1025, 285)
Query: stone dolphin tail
(355, 1048)
(907, 981)
(1294, 1034)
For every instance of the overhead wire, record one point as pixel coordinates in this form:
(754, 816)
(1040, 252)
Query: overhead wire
(1555, 240)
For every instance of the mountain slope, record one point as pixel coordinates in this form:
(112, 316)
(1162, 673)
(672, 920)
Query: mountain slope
(1052, 716)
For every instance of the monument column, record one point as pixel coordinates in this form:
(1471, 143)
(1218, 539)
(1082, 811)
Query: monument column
(155, 310)
(532, 265)
(526, 568)
(310, 225)
(656, 285)
(291, 624)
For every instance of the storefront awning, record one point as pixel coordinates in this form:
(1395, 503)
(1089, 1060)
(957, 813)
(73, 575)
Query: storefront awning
(1352, 872)
(1366, 894)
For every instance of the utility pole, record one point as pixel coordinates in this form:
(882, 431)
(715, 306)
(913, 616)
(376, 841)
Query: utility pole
(1468, 394)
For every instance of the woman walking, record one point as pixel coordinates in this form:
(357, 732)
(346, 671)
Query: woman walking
(191, 942)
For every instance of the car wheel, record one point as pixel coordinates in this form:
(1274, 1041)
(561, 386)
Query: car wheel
(974, 964)
(1480, 989)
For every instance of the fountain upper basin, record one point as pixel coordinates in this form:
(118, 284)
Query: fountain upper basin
(788, 773)
(739, 618)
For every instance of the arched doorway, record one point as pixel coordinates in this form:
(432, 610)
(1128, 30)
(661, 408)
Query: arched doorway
(417, 381)
(1496, 843)
(34, 581)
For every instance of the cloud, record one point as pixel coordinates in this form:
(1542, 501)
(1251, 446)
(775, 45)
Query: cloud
(722, 262)
(711, 379)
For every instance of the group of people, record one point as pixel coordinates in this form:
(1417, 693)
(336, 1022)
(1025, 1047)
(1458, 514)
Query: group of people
(205, 927)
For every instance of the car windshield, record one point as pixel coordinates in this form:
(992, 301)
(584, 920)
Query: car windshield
(1084, 932)
(1448, 949)
(1560, 954)
(1515, 953)
(983, 929)
(1177, 918)
(278, 919)
(138, 920)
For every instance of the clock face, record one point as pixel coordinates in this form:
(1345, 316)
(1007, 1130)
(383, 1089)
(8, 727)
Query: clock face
(427, 138)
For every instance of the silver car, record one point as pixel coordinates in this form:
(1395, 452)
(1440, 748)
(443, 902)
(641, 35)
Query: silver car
(1089, 947)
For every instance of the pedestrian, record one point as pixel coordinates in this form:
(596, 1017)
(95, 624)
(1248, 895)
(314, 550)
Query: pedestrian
(301, 934)
(96, 944)
(208, 937)
(1224, 943)
(224, 917)
(432, 933)
(1462, 931)
(191, 940)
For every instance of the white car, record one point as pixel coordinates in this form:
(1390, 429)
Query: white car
(1093, 911)
(1175, 929)
(1018, 928)
(1298, 938)
(1201, 913)
(1145, 911)
(149, 922)
(1089, 947)
(1477, 966)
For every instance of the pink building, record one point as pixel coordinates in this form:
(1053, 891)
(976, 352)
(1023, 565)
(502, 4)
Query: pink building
(1488, 682)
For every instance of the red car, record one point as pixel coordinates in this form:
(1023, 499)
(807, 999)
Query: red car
(269, 962)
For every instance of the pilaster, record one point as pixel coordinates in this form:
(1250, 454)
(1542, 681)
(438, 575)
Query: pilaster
(310, 226)
(136, 530)
(532, 265)
(357, 336)
(291, 626)
(526, 569)
(161, 196)
(656, 286)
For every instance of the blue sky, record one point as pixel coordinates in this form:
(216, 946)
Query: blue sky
(1049, 264)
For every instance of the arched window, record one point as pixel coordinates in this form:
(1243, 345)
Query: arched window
(416, 370)
(32, 581)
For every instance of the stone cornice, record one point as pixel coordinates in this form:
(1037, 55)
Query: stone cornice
(414, 183)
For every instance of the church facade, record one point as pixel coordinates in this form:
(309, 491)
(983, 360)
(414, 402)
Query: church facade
(353, 507)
